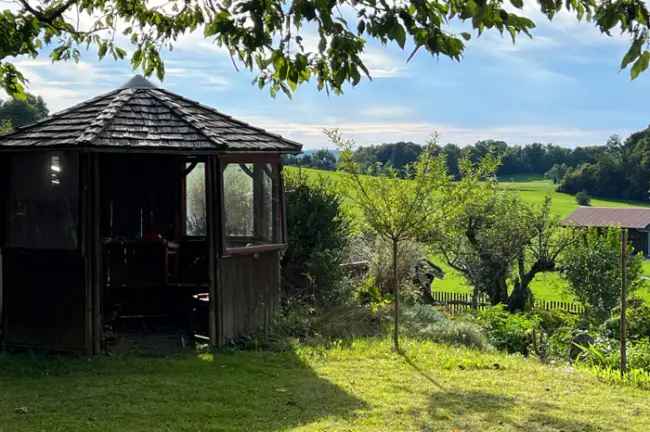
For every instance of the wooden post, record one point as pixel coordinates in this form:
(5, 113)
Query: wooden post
(86, 248)
(2, 326)
(212, 249)
(214, 198)
(623, 301)
(97, 252)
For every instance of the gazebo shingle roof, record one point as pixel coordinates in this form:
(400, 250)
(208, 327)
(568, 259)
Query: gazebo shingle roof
(142, 116)
(636, 218)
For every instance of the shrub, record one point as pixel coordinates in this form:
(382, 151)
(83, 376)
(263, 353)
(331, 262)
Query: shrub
(302, 322)
(583, 198)
(638, 320)
(318, 237)
(379, 280)
(425, 322)
(552, 321)
(511, 332)
(605, 353)
(591, 265)
(555, 333)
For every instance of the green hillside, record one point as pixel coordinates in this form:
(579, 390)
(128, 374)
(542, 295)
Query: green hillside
(535, 189)
(532, 189)
(547, 286)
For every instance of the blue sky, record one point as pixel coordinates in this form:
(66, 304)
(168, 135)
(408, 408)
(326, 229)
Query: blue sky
(563, 86)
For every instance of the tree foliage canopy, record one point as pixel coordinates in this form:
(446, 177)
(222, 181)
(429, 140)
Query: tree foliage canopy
(271, 37)
(621, 170)
(592, 266)
(490, 236)
(16, 113)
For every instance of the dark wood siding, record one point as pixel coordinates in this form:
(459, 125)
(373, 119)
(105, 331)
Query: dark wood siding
(639, 241)
(250, 289)
(44, 299)
(4, 193)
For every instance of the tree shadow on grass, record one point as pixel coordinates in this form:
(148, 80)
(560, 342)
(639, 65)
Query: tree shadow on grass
(249, 391)
(477, 410)
(473, 410)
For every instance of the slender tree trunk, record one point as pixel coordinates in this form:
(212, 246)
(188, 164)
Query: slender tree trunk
(623, 301)
(521, 298)
(396, 294)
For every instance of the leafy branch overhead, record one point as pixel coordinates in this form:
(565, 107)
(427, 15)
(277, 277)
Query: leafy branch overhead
(273, 37)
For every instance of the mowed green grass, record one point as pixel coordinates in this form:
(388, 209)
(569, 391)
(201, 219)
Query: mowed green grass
(360, 387)
(532, 189)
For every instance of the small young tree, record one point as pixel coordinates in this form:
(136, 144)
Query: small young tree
(394, 209)
(592, 266)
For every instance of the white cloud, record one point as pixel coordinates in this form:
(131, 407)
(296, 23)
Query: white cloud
(385, 111)
(382, 65)
(64, 84)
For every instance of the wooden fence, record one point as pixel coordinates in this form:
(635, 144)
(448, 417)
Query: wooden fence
(462, 302)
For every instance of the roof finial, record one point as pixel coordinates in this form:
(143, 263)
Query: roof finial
(138, 81)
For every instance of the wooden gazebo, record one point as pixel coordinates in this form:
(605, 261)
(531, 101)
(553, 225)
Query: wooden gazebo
(138, 211)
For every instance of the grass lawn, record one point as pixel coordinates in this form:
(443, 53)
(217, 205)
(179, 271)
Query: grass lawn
(533, 189)
(362, 387)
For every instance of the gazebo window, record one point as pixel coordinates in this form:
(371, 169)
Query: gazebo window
(251, 204)
(44, 201)
(195, 205)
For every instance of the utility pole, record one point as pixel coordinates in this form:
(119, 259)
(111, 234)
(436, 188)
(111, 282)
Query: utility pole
(623, 300)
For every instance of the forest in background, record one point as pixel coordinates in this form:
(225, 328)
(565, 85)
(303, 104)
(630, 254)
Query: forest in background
(620, 168)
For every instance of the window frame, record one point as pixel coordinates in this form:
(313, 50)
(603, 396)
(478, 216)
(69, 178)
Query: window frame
(6, 208)
(278, 242)
(183, 204)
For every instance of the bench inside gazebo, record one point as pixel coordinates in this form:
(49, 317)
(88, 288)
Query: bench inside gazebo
(138, 212)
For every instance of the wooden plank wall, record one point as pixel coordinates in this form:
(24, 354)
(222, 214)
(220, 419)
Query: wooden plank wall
(250, 292)
(4, 194)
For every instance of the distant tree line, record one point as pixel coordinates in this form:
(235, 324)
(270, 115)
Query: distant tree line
(620, 170)
(16, 112)
(529, 159)
(320, 159)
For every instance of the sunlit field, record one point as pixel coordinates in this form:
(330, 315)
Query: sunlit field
(532, 189)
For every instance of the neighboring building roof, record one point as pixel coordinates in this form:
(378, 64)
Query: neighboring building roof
(141, 116)
(637, 218)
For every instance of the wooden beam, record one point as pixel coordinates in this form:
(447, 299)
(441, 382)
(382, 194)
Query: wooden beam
(86, 248)
(98, 255)
(211, 211)
(283, 205)
(2, 323)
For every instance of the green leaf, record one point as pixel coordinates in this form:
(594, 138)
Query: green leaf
(633, 53)
(101, 52)
(517, 3)
(640, 65)
(466, 36)
(400, 35)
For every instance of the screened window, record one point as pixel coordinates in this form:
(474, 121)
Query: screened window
(44, 201)
(251, 204)
(195, 208)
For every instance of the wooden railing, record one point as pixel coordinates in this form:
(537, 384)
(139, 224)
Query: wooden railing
(462, 302)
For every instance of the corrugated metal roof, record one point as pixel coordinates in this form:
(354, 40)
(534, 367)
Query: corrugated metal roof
(638, 218)
(141, 116)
